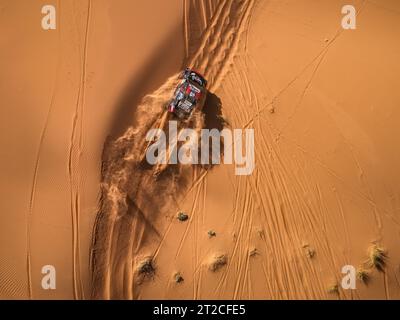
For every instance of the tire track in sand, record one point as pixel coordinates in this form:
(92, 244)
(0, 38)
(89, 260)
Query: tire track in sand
(36, 171)
(75, 152)
(130, 192)
(225, 34)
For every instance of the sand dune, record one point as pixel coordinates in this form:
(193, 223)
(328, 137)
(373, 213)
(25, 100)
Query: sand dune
(324, 193)
(62, 95)
(287, 230)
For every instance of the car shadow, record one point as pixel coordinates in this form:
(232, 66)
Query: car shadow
(213, 119)
(212, 110)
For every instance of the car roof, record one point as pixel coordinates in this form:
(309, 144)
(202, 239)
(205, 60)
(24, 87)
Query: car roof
(195, 84)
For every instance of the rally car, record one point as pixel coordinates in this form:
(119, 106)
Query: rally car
(189, 94)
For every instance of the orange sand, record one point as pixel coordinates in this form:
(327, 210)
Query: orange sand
(77, 103)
